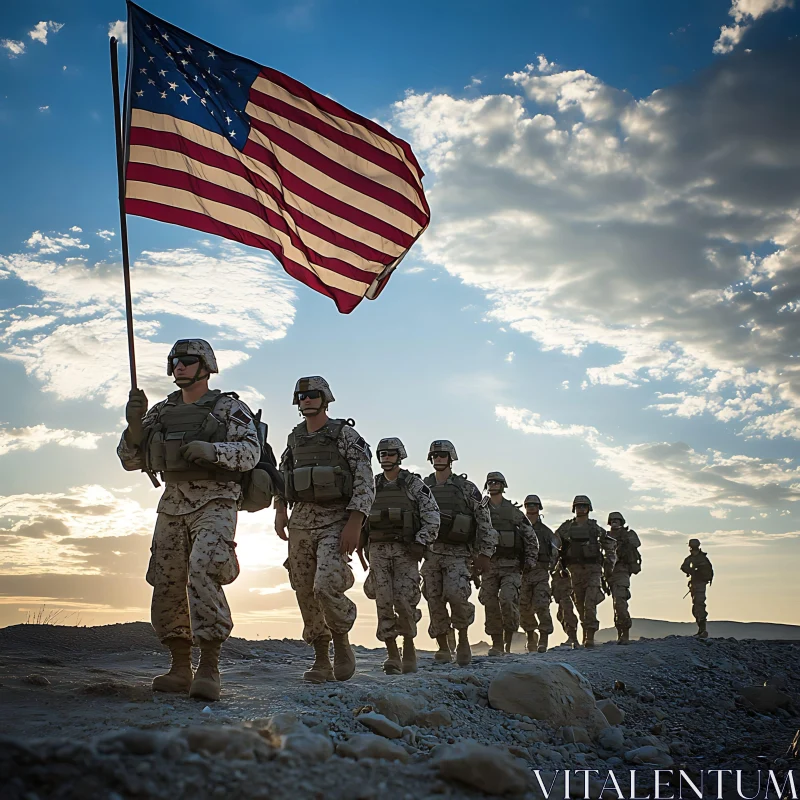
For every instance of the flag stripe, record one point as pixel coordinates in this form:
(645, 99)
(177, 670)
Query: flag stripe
(317, 188)
(389, 146)
(335, 109)
(361, 183)
(215, 168)
(159, 185)
(274, 110)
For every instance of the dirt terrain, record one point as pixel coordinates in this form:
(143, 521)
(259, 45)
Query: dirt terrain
(80, 720)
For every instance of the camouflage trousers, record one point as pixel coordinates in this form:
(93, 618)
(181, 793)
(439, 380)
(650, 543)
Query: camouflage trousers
(447, 579)
(562, 594)
(587, 592)
(499, 594)
(698, 590)
(192, 556)
(620, 584)
(393, 583)
(534, 601)
(320, 575)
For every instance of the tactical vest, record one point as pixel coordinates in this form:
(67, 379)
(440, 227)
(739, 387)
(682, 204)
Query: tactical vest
(394, 516)
(701, 569)
(319, 473)
(582, 545)
(510, 542)
(178, 424)
(457, 525)
(545, 537)
(628, 550)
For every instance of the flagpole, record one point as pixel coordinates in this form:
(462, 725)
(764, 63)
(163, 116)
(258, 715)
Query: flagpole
(123, 219)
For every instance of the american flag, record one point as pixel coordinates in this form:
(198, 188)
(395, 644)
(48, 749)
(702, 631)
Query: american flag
(221, 144)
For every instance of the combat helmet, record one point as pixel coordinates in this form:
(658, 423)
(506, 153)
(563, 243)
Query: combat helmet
(694, 543)
(310, 384)
(616, 515)
(533, 499)
(443, 446)
(496, 476)
(392, 443)
(581, 498)
(193, 347)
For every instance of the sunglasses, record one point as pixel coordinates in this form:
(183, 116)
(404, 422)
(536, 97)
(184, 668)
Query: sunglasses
(532, 505)
(495, 483)
(187, 361)
(439, 454)
(312, 394)
(387, 453)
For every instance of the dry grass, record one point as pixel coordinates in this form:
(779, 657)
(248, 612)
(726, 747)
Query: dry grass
(54, 616)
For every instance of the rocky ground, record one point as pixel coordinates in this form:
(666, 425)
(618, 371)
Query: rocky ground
(80, 721)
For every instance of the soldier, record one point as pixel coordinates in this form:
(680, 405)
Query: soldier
(404, 519)
(517, 550)
(465, 533)
(629, 562)
(330, 488)
(201, 441)
(535, 594)
(588, 553)
(701, 574)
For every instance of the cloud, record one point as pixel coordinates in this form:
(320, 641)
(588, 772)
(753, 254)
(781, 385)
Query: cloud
(474, 83)
(37, 436)
(672, 474)
(41, 29)
(73, 339)
(107, 235)
(682, 225)
(118, 30)
(744, 13)
(14, 48)
(44, 108)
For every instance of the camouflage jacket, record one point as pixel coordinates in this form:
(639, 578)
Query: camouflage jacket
(422, 497)
(530, 542)
(607, 555)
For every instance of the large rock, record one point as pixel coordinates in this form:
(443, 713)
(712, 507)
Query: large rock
(437, 718)
(765, 698)
(368, 745)
(400, 707)
(488, 769)
(611, 711)
(612, 740)
(311, 747)
(381, 725)
(554, 692)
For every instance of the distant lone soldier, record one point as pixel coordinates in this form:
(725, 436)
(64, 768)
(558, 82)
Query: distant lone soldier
(697, 566)
(629, 562)
(201, 442)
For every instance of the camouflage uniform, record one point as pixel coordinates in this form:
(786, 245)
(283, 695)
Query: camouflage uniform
(561, 586)
(394, 580)
(500, 585)
(535, 596)
(193, 543)
(446, 572)
(319, 573)
(587, 574)
(698, 567)
(628, 563)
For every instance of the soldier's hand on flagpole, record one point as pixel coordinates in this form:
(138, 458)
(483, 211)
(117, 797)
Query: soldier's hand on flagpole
(135, 410)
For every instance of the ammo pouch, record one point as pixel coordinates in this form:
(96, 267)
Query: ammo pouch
(392, 525)
(257, 490)
(318, 484)
(458, 529)
(509, 545)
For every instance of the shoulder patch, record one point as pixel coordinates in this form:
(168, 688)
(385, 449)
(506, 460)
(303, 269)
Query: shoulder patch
(426, 489)
(484, 502)
(361, 444)
(240, 415)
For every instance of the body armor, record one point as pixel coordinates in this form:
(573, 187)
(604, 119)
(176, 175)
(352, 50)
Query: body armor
(318, 472)
(457, 524)
(177, 424)
(510, 543)
(394, 516)
(582, 544)
(628, 551)
(545, 537)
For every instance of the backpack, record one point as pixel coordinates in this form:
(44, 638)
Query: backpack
(261, 483)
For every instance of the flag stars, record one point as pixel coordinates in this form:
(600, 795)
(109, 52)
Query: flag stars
(188, 49)
(203, 100)
(184, 62)
(140, 93)
(165, 37)
(151, 82)
(163, 95)
(185, 99)
(228, 119)
(151, 59)
(232, 134)
(143, 70)
(173, 86)
(162, 73)
(211, 54)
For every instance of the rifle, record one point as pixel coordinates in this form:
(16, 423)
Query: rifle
(604, 586)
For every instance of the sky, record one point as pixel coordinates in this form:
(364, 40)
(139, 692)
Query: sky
(607, 301)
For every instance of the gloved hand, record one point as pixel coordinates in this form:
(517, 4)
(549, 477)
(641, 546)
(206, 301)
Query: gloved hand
(417, 550)
(199, 452)
(135, 410)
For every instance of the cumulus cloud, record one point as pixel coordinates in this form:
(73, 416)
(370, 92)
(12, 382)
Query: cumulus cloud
(41, 29)
(44, 108)
(36, 436)
(13, 47)
(119, 30)
(107, 235)
(675, 216)
(744, 13)
(73, 339)
(673, 474)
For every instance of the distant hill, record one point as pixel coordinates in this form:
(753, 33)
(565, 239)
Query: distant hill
(724, 629)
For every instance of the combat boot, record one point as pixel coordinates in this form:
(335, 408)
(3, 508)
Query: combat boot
(206, 684)
(542, 648)
(322, 669)
(508, 640)
(344, 659)
(180, 675)
(572, 639)
(588, 637)
(451, 640)
(702, 633)
(463, 651)
(409, 655)
(497, 648)
(443, 654)
(622, 636)
(533, 641)
(392, 665)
